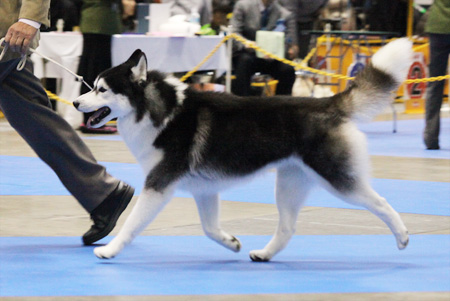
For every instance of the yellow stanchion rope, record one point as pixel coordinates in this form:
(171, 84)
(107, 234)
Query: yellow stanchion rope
(297, 66)
(427, 80)
(190, 73)
(308, 57)
(57, 98)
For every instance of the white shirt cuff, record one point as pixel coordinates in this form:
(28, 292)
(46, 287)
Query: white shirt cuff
(35, 24)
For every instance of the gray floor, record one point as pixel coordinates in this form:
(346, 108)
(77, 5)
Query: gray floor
(62, 216)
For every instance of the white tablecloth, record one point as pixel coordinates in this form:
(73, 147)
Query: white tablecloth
(65, 48)
(167, 54)
(170, 54)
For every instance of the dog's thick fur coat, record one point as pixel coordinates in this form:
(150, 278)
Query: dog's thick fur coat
(204, 142)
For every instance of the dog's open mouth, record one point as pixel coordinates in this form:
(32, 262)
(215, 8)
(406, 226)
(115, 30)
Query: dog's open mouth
(98, 116)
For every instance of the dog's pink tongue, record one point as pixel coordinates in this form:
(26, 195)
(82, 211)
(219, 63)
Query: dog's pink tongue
(95, 118)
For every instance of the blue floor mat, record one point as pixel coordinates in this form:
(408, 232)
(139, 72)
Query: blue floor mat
(185, 265)
(407, 142)
(29, 176)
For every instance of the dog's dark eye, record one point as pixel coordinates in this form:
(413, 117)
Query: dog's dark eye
(101, 90)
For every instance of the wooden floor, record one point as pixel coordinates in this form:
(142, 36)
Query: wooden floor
(44, 216)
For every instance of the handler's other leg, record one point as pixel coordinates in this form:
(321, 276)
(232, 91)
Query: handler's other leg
(439, 52)
(292, 188)
(27, 108)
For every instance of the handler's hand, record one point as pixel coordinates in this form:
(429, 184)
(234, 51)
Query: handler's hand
(19, 37)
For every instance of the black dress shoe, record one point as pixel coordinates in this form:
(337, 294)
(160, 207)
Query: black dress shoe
(105, 216)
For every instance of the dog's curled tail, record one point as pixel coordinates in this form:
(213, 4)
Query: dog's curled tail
(373, 87)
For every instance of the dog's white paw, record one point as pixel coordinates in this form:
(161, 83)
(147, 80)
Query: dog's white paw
(260, 255)
(403, 242)
(105, 252)
(233, 244)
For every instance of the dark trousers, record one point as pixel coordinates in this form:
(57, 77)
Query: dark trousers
(95, 58)
(439, 52)
(28, 110)
(246, 64)
(303, 38)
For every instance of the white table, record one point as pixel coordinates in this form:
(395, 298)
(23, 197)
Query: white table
(171, 54)
(65, 48)
(166, 54)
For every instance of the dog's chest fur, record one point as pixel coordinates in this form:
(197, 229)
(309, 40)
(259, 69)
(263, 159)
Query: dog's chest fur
(139, 137)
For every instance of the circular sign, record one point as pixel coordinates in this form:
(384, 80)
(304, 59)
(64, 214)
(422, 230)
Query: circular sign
(416, 90)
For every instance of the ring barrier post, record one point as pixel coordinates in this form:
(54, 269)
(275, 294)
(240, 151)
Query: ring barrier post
(230, 60)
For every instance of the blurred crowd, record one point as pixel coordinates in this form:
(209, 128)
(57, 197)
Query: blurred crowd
(374, 15)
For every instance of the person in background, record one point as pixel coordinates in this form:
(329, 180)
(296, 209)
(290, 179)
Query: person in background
(438, 29)
(66, 10)
(27, 108)
(218, 21)
(128, 15)
(249, 16)
(306, 13)
(388, 16)
(100, 19)
(186, 7)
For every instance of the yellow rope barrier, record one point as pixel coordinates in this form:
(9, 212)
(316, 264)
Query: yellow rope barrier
(302, 65)
(190, 73)
(297, 66)
(427, 80)
(251, 44)
(308, 57)
(57, 98)
(324, 39)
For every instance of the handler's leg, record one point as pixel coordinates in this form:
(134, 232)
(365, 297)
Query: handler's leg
(27, 108)
(439, 52)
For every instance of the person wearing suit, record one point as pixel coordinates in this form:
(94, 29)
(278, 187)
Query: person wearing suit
(26, 106)
(249, 16)
(306, 13)
(185, 7)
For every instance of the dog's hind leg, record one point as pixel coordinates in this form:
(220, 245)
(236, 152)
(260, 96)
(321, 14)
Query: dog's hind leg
(208, 205)
(149, 204)
(292, 187)
(364, 195)
(344, 171)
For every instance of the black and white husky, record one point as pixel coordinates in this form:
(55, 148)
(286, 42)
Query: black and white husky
(204, 142)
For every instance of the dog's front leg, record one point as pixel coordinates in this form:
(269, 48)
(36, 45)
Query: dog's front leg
(208, 205)
(149, 204)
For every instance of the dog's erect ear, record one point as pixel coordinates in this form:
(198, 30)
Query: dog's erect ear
(139, 62)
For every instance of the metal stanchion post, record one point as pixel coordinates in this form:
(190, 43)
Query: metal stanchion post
(230, 55)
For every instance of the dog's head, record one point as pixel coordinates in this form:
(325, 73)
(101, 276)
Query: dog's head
(114, 91)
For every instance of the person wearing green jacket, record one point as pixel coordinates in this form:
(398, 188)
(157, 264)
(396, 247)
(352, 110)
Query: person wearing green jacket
(438, 29)
(25, 104)
(100, 19)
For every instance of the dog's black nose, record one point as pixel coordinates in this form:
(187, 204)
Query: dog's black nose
(76, 104)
